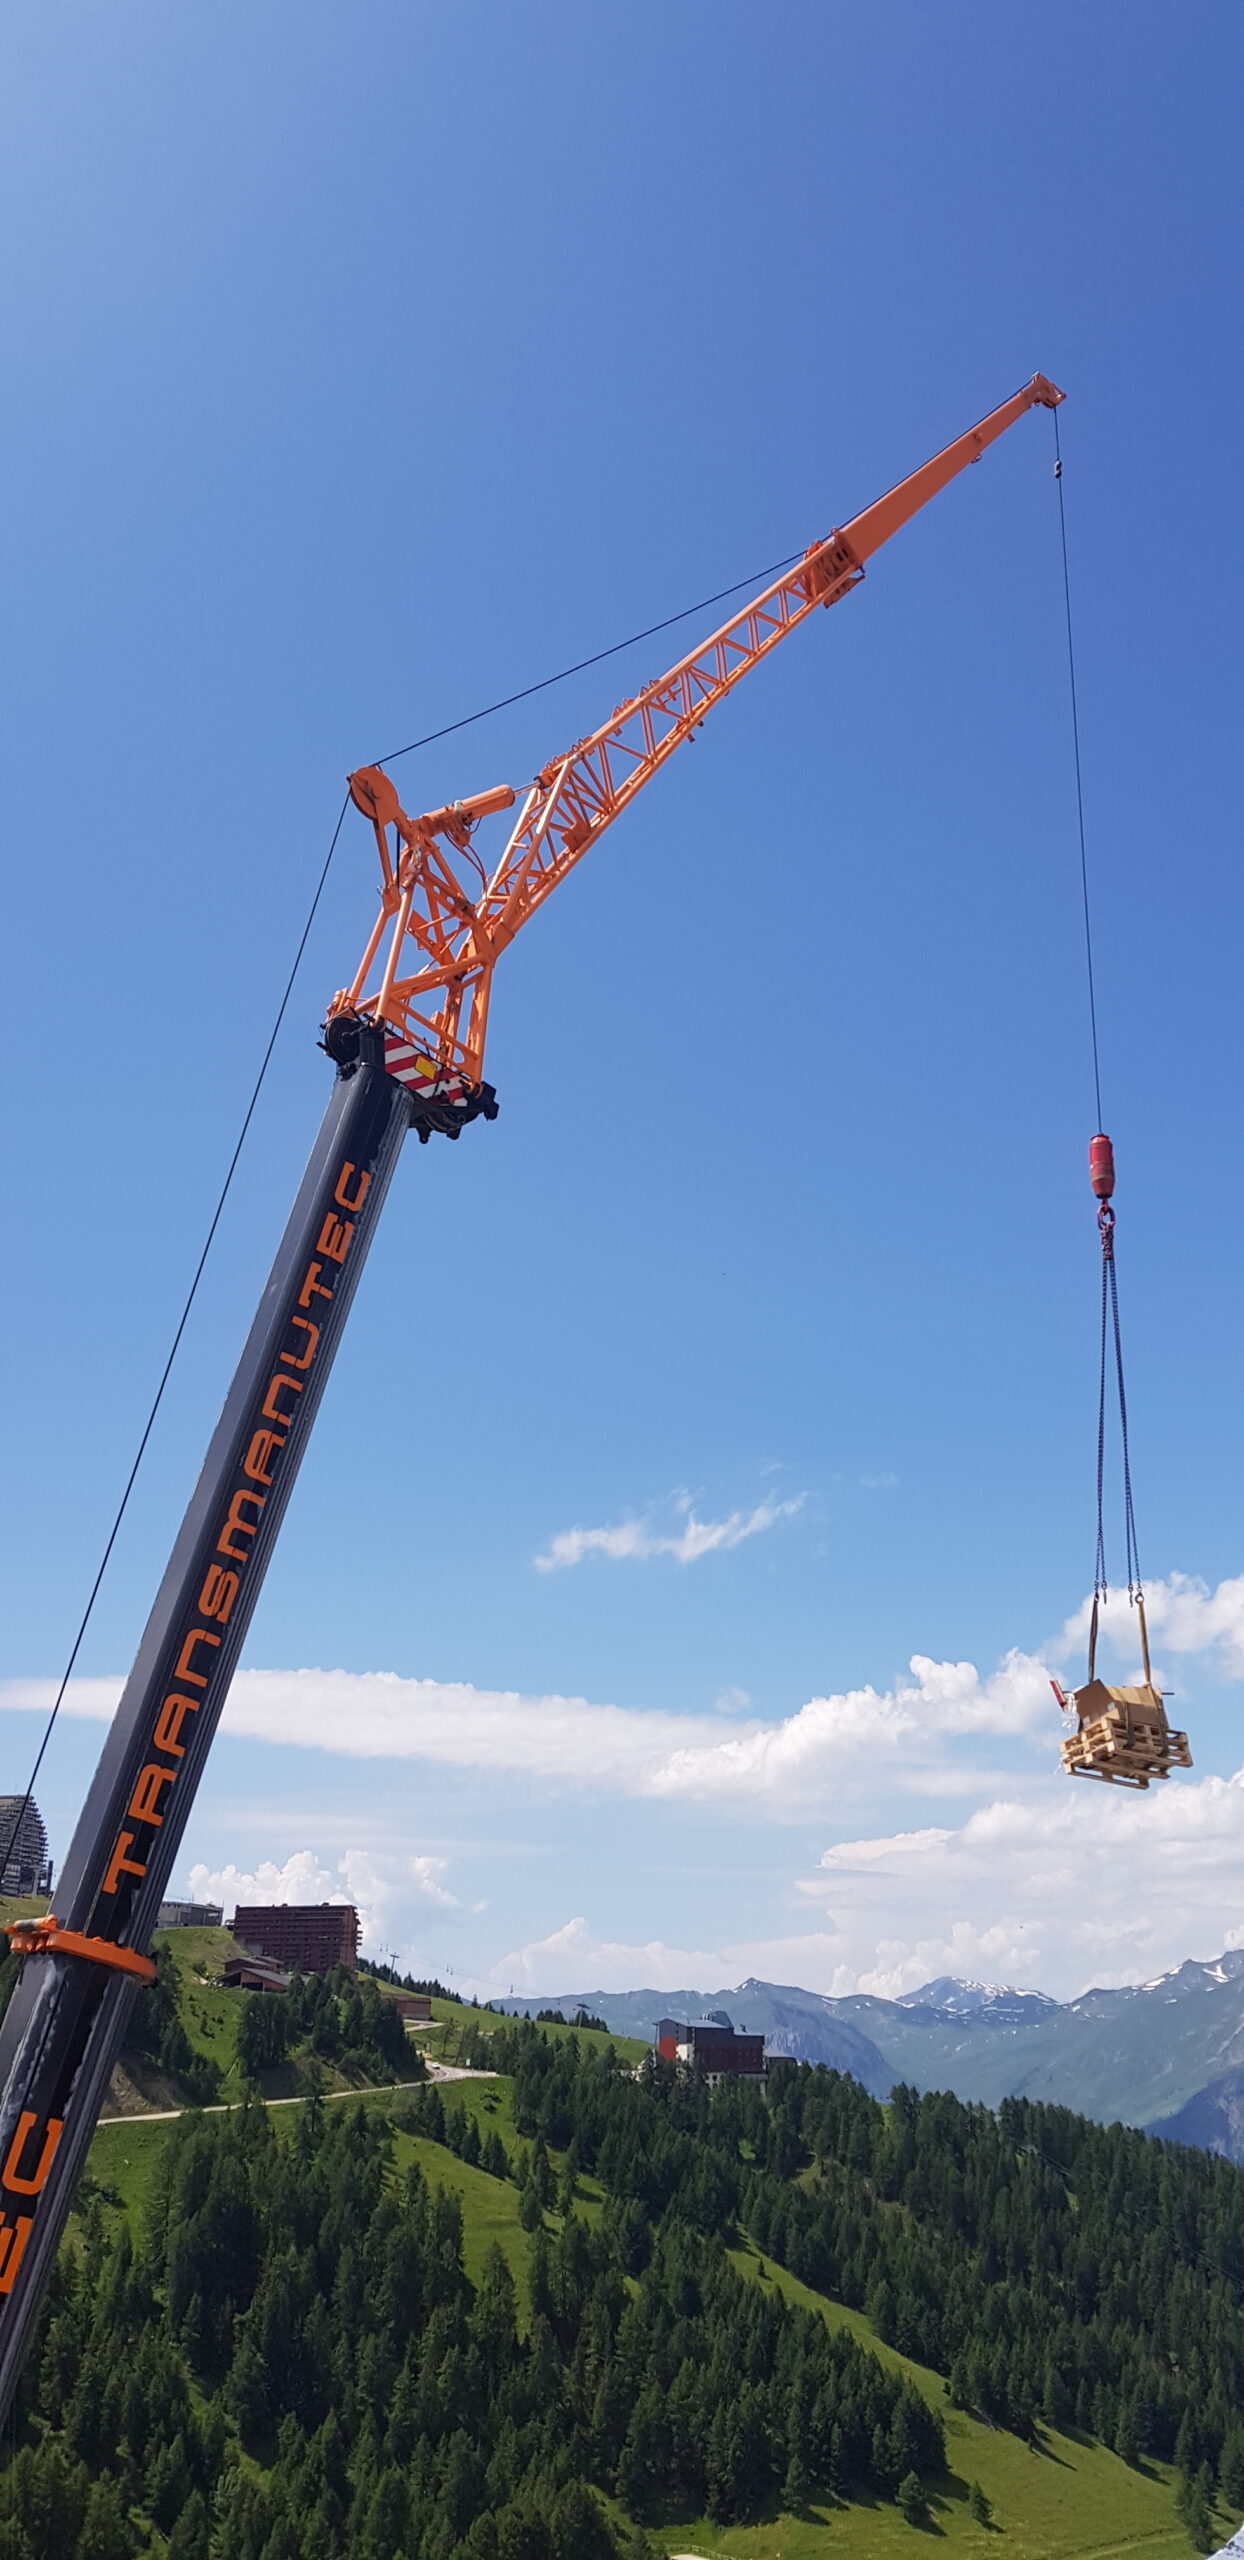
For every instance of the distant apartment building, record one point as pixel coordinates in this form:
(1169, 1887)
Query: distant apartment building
(414, 2008)
(26, 1867)
(304, 1937)
(191, 1915)
(711, 2045)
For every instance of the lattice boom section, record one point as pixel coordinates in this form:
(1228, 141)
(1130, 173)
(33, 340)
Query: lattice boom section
(580, 795)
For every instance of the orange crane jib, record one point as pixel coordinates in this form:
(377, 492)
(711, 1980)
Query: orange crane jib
(450, 919)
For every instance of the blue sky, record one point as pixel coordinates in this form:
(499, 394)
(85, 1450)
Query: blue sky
(368, 365)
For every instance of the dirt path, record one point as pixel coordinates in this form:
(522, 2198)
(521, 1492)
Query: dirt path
(379, 2089)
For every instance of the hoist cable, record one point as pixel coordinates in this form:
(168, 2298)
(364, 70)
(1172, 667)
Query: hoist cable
(1075, 743)
(1111, 1330)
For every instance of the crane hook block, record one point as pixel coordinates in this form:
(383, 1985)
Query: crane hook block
(1101, 1165)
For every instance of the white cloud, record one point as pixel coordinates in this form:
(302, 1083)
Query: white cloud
(377, 1715)
(921, 1737)
(427, 1873)
(1046, 1883)
(1184, 1617)
(574, 1959)
(380, 1887)
(802, 1760)
(780, 1769)
(300, 1879)
(1073, 1885)
(638, 1539)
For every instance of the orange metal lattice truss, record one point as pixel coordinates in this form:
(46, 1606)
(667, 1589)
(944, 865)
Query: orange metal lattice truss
(450, 920)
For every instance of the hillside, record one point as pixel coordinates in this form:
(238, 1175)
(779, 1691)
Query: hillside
(1139, 2056)
(191, 2043)
(584, 2205)
(1048, 2310)
(1081, 2500)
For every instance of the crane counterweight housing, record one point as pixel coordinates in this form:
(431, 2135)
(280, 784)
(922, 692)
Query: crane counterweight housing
(408, 1048)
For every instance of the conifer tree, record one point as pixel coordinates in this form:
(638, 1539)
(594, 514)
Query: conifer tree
(796, 2487)
(1193, 2502)
(107, 2533)
(1231, 2473)
(190, 2537)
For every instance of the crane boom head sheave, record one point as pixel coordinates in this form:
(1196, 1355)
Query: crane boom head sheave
(450, 920)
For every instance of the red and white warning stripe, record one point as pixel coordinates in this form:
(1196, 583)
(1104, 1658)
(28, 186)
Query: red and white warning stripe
(413, 1067)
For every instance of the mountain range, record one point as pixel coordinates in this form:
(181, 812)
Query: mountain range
(1166, 2055)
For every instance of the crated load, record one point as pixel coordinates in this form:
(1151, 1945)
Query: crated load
(1123, 1735)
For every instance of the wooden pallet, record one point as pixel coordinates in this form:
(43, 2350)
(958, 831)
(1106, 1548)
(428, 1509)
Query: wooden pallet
(1123, 1737)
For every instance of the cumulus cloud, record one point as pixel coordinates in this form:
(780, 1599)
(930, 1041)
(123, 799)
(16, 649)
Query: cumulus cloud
(1071, 1886)
(300, 1878)
(632, 1540)
(922, 1736)
(1185, 1617)
(803, 1758)
(380, 1887)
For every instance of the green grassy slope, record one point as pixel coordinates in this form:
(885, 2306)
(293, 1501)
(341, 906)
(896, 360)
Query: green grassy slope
(452, 2018)
(489, 2207)
(1071, 2501)
(208, 2013)
(211, 2016)
(1068, 2502)
(121, 2166)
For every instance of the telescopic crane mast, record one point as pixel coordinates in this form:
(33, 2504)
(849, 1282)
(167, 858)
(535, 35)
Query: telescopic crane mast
(408, 1045)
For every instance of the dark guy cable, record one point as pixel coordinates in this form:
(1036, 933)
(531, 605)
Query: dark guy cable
(597, 658)
(183, 1320)
(1075, 740)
